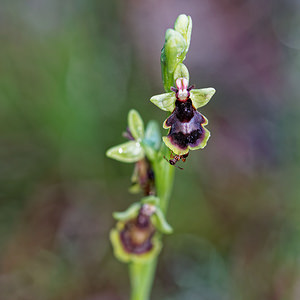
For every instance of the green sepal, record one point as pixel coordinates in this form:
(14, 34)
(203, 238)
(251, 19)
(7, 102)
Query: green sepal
(160, 222)
(152, 135)
(165, 101)
(201, 97)
(135, 124)
(181, 71)
(127, 257)
(130, 213)
(175, 46)
(183, 25)
(128, 152)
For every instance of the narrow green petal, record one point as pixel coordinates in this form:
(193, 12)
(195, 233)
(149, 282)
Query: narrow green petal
(136, 124)
(201, 97)
(128, 152)
(161, 223)
(130, 213)
(165, 101)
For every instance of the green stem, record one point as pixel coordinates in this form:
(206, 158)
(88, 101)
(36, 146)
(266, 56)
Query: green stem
(164, 177)
(142, 274)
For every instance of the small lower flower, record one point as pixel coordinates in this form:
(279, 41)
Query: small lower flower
(137, 233)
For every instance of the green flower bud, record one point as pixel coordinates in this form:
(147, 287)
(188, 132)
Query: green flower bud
(172, 54)
(183, 25)
(176, 45)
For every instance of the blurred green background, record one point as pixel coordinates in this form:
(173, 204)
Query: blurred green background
(69, 73)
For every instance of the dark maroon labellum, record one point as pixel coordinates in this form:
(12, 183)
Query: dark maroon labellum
(186, 125)
(137, 234)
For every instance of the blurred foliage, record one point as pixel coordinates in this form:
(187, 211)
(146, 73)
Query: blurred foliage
(69, 73)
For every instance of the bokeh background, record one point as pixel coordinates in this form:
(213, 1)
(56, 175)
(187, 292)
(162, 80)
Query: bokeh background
(69, 73)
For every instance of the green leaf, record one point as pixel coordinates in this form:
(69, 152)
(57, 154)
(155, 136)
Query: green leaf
(161, 223)
(201, 97)
(152, 135)
(130, 213)
(181, 72)
(128, 152)
(183, 25)
(165, 101)
(136, 124)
